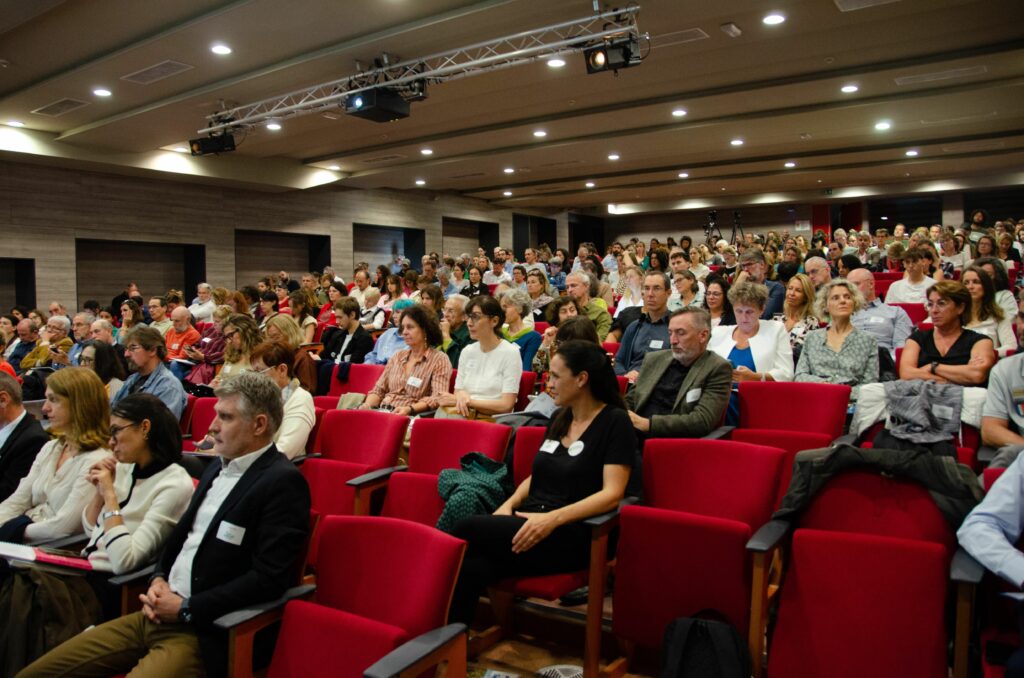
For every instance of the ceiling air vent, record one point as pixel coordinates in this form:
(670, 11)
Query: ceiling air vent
(941, 75)
(854, 5)
(678, 37)
(60, 107)
(383, 158)
(164, 69)
(974, 146)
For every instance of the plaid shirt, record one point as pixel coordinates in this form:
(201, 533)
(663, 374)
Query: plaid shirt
(433, 370)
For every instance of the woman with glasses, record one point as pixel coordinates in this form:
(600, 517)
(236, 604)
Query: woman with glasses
(489, 369)
(716, 301)
(241, 335)
(102, 358)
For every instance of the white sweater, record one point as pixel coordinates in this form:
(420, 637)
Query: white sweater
(297, 423)
(154, 506)
(53, 498)
(770, 348)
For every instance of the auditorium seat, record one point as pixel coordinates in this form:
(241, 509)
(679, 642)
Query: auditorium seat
(540, 327)
(186, 415)
(611, 347)
(527, 382)
(203, 415)
(917, 312)
(361, 379)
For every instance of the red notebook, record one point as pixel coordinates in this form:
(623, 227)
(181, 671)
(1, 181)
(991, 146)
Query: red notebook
(41, 554)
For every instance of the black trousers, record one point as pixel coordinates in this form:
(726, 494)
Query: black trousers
(489, 557)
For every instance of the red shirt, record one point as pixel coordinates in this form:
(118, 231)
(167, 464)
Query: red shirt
(176, 343)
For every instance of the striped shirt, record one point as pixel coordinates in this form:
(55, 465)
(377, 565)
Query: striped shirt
(427, 379)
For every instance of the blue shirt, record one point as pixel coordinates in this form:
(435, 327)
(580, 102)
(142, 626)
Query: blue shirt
(739, 357)
(73, 353)
(990, 531)
(388, 344)
(889, 325)
(160, 383)
(558, 281)
(641, 337)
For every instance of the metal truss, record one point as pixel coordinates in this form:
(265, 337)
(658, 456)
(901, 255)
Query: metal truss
(410, 78)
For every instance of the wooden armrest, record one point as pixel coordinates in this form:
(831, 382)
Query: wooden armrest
(415, 656)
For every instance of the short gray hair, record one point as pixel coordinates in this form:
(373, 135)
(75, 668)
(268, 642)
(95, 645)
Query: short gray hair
(460, 299)
(204, 286)
(750, 294)
(11, 387)
(258, 394)
(588, 278)
(821, 300)
(104, 323)
(700, 317)
(520, 300)
(86, 317)
(61, 320)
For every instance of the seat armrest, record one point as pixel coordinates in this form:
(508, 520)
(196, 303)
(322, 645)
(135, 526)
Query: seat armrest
(375, 476)
(846, 439)
(303, 457)
(964, 568)
(603, 519)
(768, 536)
(64, 542)
(986, 453)
(411, 652)
(233, 619)
(130, 577)
(720, 433)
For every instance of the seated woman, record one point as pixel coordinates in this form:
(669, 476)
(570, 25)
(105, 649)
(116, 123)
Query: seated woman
(562, 308)
(131, 315)
(103, 359)
(759, 350)
(49, 500)
(716, 301)
(415, 377)
(241, 335)
(432, 298)
(489, 369)
(986, 317)
(1004, 295)
(476, 284)
(303, 305)
(391, 292)
(581, 471)
(574, 327)
(276, 360)
(539, 288)
(281, 291)
(697, 265)
(211, 345)
(516, 307)
(335, 292)
(948, 353)
(632, 281)
(840, 353)
(684, 292)
(798, 310)
(283, 329)
(268, 308)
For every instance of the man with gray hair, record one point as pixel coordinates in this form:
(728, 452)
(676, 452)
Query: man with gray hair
(236, 546)
(81, 329)
(454, 331)
(21, 436)
(202, 309)
(818, 270)
(53, 340)
(146, 352)
(580, 285)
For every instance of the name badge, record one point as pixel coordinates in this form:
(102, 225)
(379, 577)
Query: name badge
(232, 534)
(348, 358)
(174, 347)
(415, 382)
(876, 320)
(693, 395)
(206, 339)
(576, 449)
(549, 446)
(657, 343)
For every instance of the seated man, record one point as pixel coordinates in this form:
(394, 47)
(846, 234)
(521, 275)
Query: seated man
(158, 315)
(754, 268)
(21, 436)
(497, 275)
(1002, 419)
(579, 286)
(28, 336)
(146, 351)
(818, 270)
(53, 340)
(454, 330)
(349, 342)
(913, 289)
(889, 325)
(202, 310)
(178, 338)
(650, 332)
(81, 329)
(235, 546)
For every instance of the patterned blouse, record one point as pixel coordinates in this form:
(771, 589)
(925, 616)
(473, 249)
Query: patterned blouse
(798, 334)
(856, 362)
(427, 379)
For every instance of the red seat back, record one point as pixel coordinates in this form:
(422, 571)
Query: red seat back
(526, 447)
(437, 444)
(413, 496)
(917, 312)
(526, 385)
(790, 441)
(203, 415)
(540, 327)
(361, 379)
(611, 347)
(186, 414)
(328, 490)
(363, 437)
(623, 384)
(314, 433)
(770, 405)
(990, 476)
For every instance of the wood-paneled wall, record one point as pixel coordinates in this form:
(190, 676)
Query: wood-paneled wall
(260, 253)
(43, 210)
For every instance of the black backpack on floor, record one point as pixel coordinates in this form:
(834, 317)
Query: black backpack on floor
(703, 648)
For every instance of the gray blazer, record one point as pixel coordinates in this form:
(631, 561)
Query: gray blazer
(695, 414)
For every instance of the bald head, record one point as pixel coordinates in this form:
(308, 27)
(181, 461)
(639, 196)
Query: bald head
(181, 318)
(864, 281)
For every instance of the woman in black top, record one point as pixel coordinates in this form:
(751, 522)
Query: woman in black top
(580, 471)
(476, 284)
(948, 353)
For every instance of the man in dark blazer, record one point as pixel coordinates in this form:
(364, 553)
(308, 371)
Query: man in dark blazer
(682, 392)
(237, 544)
(21, 436)
(349, 342)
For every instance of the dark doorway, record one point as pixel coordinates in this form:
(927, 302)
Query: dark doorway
(18, 283)
(378, 245)
(531, 231)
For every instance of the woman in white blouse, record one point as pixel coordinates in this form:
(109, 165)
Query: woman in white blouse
(49, 500)
(759, 350)
(986, 317)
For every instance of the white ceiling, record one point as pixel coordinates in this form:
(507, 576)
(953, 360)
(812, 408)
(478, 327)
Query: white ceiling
(776, 87)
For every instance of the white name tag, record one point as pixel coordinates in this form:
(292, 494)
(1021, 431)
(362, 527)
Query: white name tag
(876, 320)
(549, 446)
(174, 347)
(206, 339)
(576, 449)
(232, 534)
(657, 343)
(415, 382)
(693, 395)
(942, 411)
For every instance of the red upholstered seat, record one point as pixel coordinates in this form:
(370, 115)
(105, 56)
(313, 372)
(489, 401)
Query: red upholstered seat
(770, 405)
(855, 605)
(361, 379)
(526, 384)
(685, 550)
(917, 312)
(790, 441)
(540, 327)
(186, 414)
(623, 384)
(363, 437)
(437, 444)
(611, 347)
(527, 444)
(314, 432)
(203, 415)
(991, 475)
(330, 494)
(381, 581)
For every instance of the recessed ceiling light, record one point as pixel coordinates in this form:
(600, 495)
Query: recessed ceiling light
(883, 125)
(421, 182)
(427, 151)
(848, 89)
(684, 175)
(15, 123)
(911, 153)
(790, 165)
(333, 168)
(885, 218)
(590, 184)
(819, 181)
(274, 125)
(507, 194)
(723, 188)
(556, 62)
(102, 92)
(613, 156)
(509, 170)
(679, 112)
(773, 19)
(181, 149)
(220, 48)
(736, 142)
(539, 133)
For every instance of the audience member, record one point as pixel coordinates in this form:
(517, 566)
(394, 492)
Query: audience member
(798, 310)
(539, 288)
(241, 335)
(455, 335)
(538, 530)
(108, 364)
(685, 291)
(890, 326)
(268, 307)
(21, 436)
(4, 365)
(1004, 294)
(415, 377)
(985, 316)
(579, 286)
(202, 308)
(277, 361)
(489, 369)
(81, 328)
(258, 503)
(650, 332)
(517, 308)
(913, 288)
(755, 270)
(131, 316)
(840, 353)
(284, 329)
(476, 284)
(1002, 418)
(48, 502)
(208, 352)
(302, 306)
(146, 351)
(373, 316)
(392, 340)
(348, 342)
(28, 336)
(818, 270)
(179, 339)
(8, 325)
(716, 301)
(574, 327)
(497, 274)
(53, 340)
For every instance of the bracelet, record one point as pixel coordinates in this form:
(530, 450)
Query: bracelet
(109, 514)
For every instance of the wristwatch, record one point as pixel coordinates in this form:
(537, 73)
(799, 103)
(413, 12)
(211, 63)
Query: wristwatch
(109, 514)
(184, 612)
(935, 366)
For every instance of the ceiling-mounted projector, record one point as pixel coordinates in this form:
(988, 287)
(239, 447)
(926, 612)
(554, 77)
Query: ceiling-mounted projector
(381, 104)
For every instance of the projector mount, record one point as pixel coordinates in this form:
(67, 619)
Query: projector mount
(410, 78)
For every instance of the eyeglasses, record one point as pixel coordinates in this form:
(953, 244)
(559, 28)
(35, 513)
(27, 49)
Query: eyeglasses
(474, 317)
(265, 370)
(114, 430)
(86, 361)
(134, 347)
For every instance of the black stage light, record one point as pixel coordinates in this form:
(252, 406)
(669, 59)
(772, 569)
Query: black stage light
(222, 143)
(380, 105)
(612, 55)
